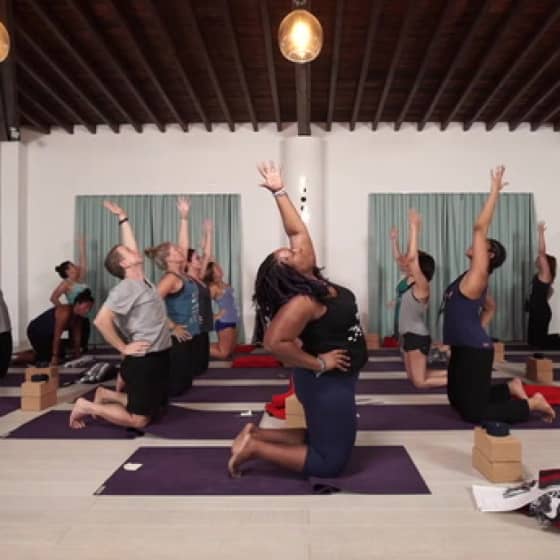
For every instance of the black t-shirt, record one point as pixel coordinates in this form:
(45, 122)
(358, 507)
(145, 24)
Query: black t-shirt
(540, 292)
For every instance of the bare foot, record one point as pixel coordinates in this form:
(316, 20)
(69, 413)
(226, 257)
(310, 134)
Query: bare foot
(79, 412)
(516, 388)
(247, 429)
(538, 403)
(242, 455)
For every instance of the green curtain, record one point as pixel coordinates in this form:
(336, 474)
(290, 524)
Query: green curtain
(155, 219)
(447, 221)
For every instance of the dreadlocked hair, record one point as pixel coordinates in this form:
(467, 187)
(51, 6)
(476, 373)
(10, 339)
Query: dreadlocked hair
(498, 257)
(277, 283)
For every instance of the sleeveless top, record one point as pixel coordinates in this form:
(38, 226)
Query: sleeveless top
(538, 298)
(412, 315)
(182, 306)
(402, 287)
(226, 303)
(338, 328)
(461, 319)
(75, 290)
(205, 308)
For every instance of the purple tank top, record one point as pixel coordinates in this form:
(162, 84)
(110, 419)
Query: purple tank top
(461, 319)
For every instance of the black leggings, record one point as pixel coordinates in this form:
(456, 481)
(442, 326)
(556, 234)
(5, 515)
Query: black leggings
(470, 390)
(5, 352)
(182, 367)
(201, 352)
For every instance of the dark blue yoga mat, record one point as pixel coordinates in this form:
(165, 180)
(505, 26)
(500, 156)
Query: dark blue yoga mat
(176, 471)
(246, 373)
(8, 404)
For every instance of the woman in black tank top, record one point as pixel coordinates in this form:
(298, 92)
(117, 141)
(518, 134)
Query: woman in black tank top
(297, 302)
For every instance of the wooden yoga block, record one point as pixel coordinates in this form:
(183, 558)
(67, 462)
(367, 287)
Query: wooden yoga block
(499, 352)
(295, 415)
(497, 458)
(52, 372)
(540, 370)
(38, 395)
(372, 341)
(499, 471)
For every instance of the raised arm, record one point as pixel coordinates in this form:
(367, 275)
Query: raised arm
(545, 274)
(104, 322)
(475, 280)
(82, 262)
(127, 235)
(57, 293)
(207, 230)
(421, 288)
(295, 228)
(183, 207)
(395, 249)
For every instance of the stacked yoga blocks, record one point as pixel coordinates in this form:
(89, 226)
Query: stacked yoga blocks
(497, 458)
(38, 395)
(295, 415)
(540, 370)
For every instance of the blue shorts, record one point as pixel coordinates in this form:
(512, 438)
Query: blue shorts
(220, 326)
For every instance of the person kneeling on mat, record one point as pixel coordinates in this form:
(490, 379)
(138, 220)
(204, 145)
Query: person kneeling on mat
(139, 312)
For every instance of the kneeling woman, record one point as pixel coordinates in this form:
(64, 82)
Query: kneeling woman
(468, 311)
(300, 303)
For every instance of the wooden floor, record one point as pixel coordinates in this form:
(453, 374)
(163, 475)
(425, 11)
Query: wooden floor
(48, 510)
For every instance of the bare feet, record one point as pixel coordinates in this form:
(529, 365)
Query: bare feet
(79, 412)
(247, 429)
(539, 404)
(516, 388)
(243, 454)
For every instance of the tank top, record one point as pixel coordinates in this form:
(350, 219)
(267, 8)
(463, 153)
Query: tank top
(75, 290)
(402, 287)
(461, 319)
(412, 315)
(226, 303)
(182, 306)
(205, 308)
(338, 328)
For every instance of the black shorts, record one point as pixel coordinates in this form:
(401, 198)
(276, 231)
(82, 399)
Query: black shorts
(412, 341)
(147, 379)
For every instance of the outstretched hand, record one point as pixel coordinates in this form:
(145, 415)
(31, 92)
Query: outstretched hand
(114, 208)
(207, 226)
(497, 178)
(183, 206)
(272, 176)
(414, 218)
(394, 233)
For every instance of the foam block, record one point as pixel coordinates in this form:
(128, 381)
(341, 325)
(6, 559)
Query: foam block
(295, 415)
(496, 449)
(41, 402)
(498, 471)
(499, 352)
(52, 372)
(540, 370)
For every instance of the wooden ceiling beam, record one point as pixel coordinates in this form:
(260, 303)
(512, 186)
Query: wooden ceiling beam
(9, 113)
(525, 116)
(33, 122)
(337, 40)
(269, 53)
(497, 41)
(239, 64)
(374, 16)
(76, 117)
(54, 68)
(50, 116)
(409, 16)
(454, 64)
(515, 64)
(178, 63)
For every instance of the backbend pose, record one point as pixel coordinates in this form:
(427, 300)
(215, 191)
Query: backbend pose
(414, 334)
(6, 343)
(466, 316)
(538, 307)
(227, 317)
(178, 293)
(300, 303)
(402, 285)
(139, 312)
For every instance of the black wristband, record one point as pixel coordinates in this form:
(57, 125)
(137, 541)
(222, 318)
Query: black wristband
(121, 222)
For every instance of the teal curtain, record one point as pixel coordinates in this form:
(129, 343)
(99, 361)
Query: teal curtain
(155, 219)
(447, 221)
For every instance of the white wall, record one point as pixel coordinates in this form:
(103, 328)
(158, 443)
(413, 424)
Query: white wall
(61, 166)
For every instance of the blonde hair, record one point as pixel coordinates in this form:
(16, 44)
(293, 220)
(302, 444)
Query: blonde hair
(159, 254)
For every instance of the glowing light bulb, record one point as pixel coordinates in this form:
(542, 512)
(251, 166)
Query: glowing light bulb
(300, 37)
(4, 42)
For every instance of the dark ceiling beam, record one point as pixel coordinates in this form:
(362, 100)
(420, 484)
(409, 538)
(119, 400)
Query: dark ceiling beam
(498, 39)
(516, 63)
(9, 114)
(76, 117)
(51, 118)
(374, 15)
(303, 98)
(556, 126)
(525, 86)
(61, 74)
(181, 69)
(53, 27)
(239, 63)
(87, 17)
(140, 51)
(208, 64)
(34, 122)
(269, 53)
(550, 91)
(410, 13)
(335, 62)
(443, 15)
(454, 64)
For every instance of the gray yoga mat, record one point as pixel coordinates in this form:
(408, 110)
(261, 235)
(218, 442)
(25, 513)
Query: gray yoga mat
(172, 471)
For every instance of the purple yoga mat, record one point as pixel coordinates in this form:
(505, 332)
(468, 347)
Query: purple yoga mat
(8, 404)
(16, 379)
(246, 373)
(54, 425)
(175, 471)
(428, 417)
(384, 352)
(384, 366)
(528, 349)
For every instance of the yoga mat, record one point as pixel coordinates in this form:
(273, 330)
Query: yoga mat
(8, 404)
(528, 349)
(54, 425)
(176, 471)
(383, 366)
(16, 379)
(246, 373)
(429, 417)
(384, 352)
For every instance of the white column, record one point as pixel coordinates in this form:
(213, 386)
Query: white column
(303, 172)
(13, 224)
